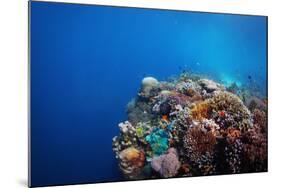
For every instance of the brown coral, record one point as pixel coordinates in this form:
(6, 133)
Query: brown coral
(199, 142)
(131, 161)
(233, 152)
(238, 116)
(233, 133)
(260, 119)
(201, 111)
(199, 148)
(255, 143)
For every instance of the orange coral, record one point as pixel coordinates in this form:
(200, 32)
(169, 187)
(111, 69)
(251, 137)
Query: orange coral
(135, 156)
(165, 117)
(201, 111)
(233, 133)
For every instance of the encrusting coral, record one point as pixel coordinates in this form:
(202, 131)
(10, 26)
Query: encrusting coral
(189, 126)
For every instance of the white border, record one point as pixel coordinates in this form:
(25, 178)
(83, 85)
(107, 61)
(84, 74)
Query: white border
(13, 93)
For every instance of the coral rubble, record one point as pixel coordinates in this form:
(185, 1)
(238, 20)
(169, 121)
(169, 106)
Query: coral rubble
(190, 126)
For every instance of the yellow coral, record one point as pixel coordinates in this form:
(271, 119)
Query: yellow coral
(200, 111)
(132, 161)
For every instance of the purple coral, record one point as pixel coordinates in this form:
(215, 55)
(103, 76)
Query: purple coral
(167, 164)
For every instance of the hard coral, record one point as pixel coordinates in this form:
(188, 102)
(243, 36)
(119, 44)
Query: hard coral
(201, 111)
(238, 116)
(148, 84)
(255, 144)
(132, 161)
(199, 142)
(210, 85)
(199, 145)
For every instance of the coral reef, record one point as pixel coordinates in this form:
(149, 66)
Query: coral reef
(191, 126)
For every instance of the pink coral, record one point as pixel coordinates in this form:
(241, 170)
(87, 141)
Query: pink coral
(167, 164)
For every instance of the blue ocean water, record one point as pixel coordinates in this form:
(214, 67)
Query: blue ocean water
(87, 63)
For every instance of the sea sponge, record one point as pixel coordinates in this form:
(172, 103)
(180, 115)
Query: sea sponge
(167, 164)
(132, 161)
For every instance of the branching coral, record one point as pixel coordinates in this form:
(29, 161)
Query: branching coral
(127, 137)
(201, 110)
(255, 148)
(237, 114)
(233, 152)
(199, 145)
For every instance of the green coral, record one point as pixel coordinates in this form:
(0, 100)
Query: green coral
(140, 132)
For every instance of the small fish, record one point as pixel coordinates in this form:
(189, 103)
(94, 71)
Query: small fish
(249, 77)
